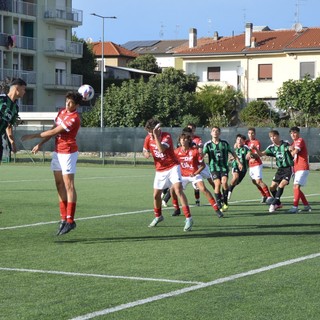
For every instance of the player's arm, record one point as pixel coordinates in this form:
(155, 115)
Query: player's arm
(157, 138)
(146, 153)
(10, 136)
(200, 168)
(259, 152)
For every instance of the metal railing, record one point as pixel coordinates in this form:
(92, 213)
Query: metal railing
(60, 45)
(28, 76)
(17, 6)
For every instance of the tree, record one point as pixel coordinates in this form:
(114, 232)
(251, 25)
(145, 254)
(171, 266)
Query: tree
(300, 99)
(258, 114)
(146, 62)
(167, 96)
(220, 105)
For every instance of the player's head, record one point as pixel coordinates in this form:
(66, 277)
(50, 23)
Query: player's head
(151, 124)
(17, 88)
(240, 139)
(192, 126)
(185, 139)
(251, 133)
(295, 132)
(215, 132)
(187, 130)
(75, 96)
(274, 136)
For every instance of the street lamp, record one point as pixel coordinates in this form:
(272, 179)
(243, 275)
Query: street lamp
(102, 63)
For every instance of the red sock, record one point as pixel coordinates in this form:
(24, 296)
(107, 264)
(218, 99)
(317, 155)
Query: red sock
(175, 203)
(157, 212)
(186, 211)
(303, 199)
(71, 209)
(296, 196)
(266, 192)
(261, 191)
(63, 210)
(213, 204)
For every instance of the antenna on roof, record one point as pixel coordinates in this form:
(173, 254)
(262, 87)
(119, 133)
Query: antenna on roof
(161, 33)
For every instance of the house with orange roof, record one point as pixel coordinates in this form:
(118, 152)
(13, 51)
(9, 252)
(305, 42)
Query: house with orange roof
(256, 62)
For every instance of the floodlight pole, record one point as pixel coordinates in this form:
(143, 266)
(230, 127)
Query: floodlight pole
(102, 65)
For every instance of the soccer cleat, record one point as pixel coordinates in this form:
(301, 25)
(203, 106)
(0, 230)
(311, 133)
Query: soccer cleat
(272, 208)
(278, 206)
(219, 214)
(269, 200)
(67, 228)
(188, 225)
(263, 199)
(176, 212)
(62, 223)
(198, 203)
(155, 221)
(224, 208)
(229, 195)
(164, 204)
(293, 210)
(306, 209)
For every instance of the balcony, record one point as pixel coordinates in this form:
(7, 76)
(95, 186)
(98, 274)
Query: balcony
(14, 41)
(29, 77)
(63, 48)
(62, 81)
(63, 16)
(20, 7)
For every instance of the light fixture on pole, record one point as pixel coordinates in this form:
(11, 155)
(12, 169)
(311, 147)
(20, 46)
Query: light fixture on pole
(102, 64)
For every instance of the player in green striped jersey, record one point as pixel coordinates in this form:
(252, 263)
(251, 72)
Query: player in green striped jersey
(280, 150)
(218, 155)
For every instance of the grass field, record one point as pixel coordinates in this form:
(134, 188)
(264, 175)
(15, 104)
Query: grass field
(249, 265)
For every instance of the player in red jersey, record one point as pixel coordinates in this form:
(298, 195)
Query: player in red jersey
(301, 170)
(64, 158)
(192, 164)
(168, 172)
(255, 167)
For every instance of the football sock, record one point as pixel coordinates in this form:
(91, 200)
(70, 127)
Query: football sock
(213, 204)
(63, 210)
(303, 199)
(157, 212)
(263, 193)
(175, 204)
(266, 192)
(186, 211)
(278, 195)
(218, 199)
(197, 194)
(225, 196)
(296, 197)
(167, 196)
(71, 209)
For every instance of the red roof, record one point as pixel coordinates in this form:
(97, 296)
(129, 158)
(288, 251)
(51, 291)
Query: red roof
(265, 41)
(111, 49)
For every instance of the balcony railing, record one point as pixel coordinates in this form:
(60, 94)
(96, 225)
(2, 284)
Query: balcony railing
(28, 76)
(14, 41)
(66, 14)
(17, 6)
(57, 46)
(62, 80)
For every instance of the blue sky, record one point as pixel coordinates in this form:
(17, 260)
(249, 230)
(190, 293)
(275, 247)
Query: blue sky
(172, 19)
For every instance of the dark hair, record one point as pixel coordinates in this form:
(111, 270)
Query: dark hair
(18, 81)
(185, 135)
(151, 123)
(239, 135)
(75, 96)
(187, 130)
(192, 125)
(274, 132)
(252, 129)
(294, 129)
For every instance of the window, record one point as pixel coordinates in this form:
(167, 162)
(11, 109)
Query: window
(213, 73)
(264, 72)
(307, 68)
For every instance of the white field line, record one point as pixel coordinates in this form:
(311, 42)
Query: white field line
(125, 213)
(97, 275)
(193, 288)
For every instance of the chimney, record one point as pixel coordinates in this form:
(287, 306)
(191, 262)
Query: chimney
(248, 34)
(215, 36)
(253, 42)
(192, 38)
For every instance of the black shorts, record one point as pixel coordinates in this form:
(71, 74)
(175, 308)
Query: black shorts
(283, 174)
(219, 174)
(240, 173)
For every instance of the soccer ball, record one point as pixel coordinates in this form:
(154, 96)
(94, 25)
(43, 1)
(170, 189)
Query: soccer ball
(86, 91)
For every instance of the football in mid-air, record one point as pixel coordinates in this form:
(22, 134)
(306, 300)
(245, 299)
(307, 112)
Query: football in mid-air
(86, 91)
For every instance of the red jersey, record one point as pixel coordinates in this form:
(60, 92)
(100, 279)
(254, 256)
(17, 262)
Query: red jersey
(162, 160)
(301, 161)
(197, 141)
(189, 160)
(66, 141)
(253, 162)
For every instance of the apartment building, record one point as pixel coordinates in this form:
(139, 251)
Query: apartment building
(36, 45)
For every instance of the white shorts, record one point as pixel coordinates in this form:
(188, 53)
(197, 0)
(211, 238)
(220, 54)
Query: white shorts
(205, 173)
(256, 172)
(165, 179)
(193, 180)
(65, 162)
(300, 177)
